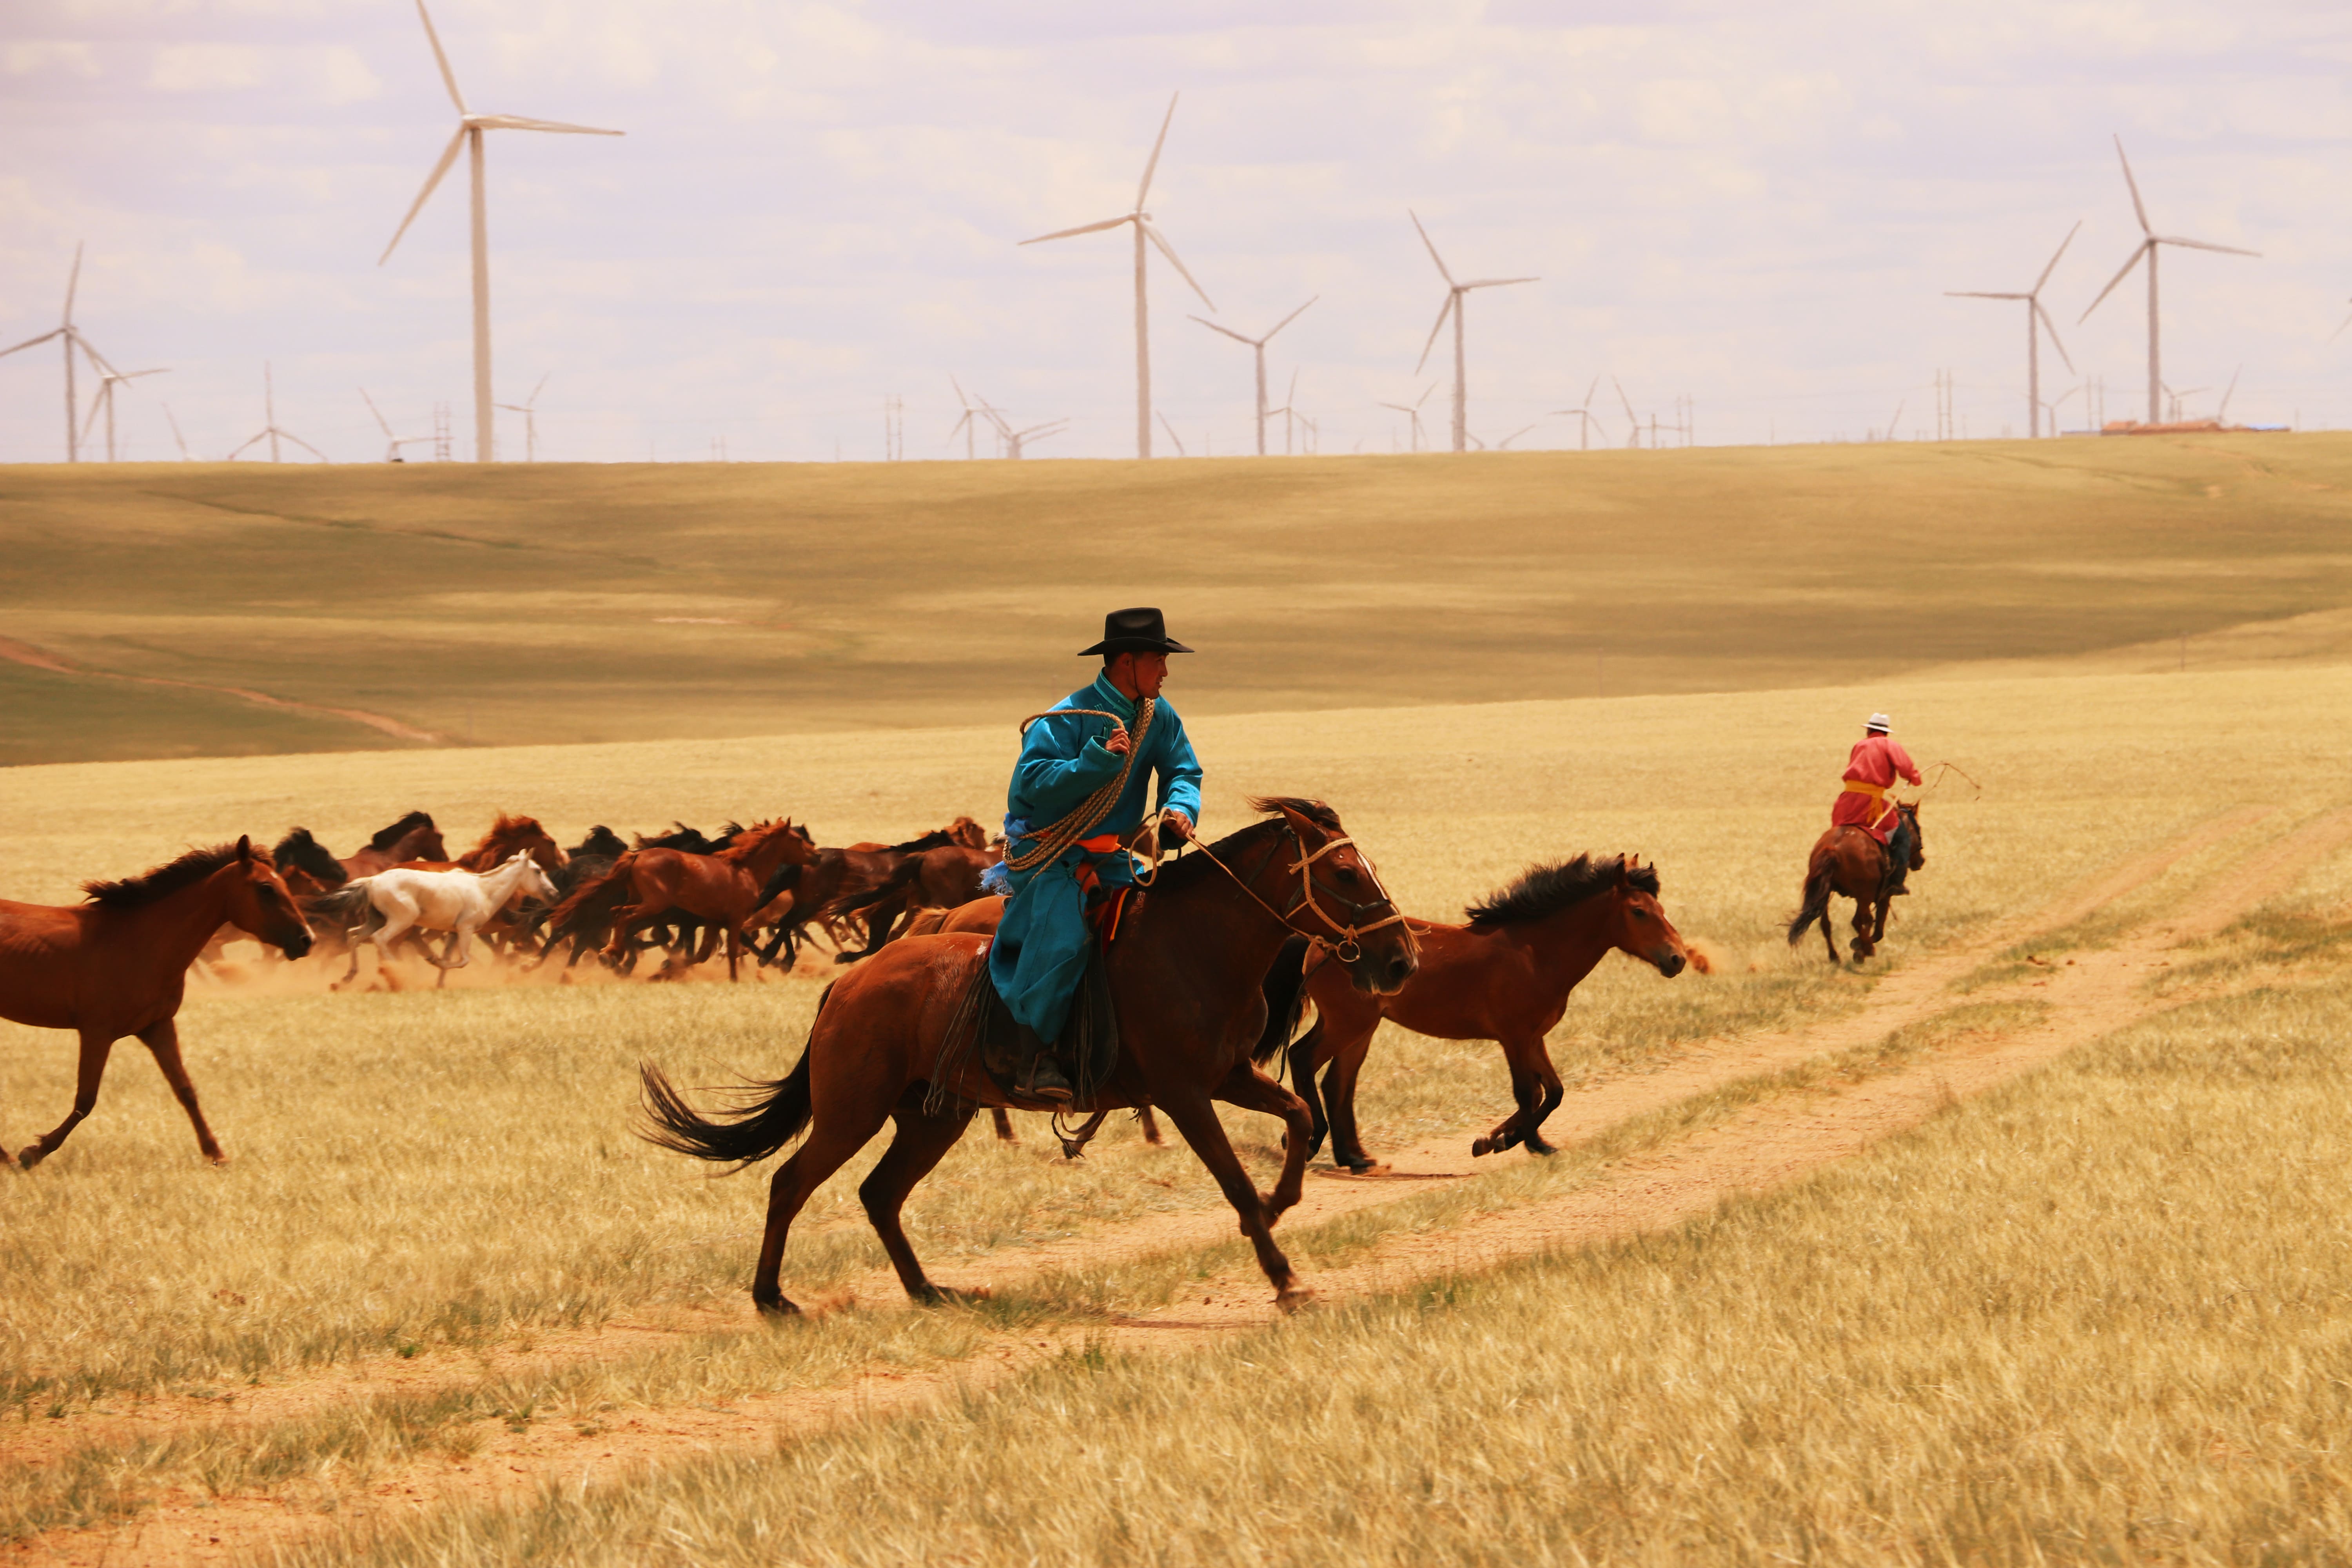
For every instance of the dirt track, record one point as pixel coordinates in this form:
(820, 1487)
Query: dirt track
(1782, 1137)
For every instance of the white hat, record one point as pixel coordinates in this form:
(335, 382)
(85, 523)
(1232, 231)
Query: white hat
(1878, 723)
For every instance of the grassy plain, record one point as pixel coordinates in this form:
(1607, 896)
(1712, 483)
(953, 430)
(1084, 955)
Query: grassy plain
(434, 1175)
(552, 603)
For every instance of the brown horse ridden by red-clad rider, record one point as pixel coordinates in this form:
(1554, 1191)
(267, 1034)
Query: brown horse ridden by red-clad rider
(1504, 978)
(1849, 862)
(722, 890)
(117, 964)
(891, 1039)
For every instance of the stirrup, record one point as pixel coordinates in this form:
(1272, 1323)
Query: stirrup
(1041, 1078)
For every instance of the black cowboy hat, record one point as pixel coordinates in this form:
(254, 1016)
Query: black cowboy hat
(1135, 631)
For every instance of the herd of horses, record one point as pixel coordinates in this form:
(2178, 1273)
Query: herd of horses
(1210, 976)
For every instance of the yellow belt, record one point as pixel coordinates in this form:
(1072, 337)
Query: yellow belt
(1875, 792)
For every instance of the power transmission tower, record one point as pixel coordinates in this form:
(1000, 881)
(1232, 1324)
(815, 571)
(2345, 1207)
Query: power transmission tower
(442, 436)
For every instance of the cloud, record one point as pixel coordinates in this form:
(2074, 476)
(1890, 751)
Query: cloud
(206, 67)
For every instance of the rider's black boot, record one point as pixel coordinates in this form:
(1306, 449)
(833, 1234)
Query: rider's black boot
(1039, 1076)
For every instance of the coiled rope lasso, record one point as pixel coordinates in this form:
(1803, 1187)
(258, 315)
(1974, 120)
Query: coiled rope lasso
(1090, 813)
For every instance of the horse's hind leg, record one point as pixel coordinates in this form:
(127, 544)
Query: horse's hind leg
(1302, 1083)
(1004, 1134)
(89, 1071)
(1863, 945)
(162, 1041)
(1196, 1118)
(828, 1147)
(1535, 1086)
(1829, 936)
(1251, 1090)
(1339, 1098)
(918, 1145)
(1549, 1088)
(1151, 1125)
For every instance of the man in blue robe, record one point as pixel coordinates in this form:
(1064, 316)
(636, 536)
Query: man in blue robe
(1079, 792)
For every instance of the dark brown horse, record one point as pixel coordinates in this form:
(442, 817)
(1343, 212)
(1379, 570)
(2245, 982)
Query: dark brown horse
(1849, 861)
(1504, 977)
(412, 837)
(117, 964)
(722, 890)
(819, 891)
(1186, 974)
(946, 877)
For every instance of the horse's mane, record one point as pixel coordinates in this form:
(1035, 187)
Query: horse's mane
(1543, 890)
(746, 842)
(508, 827)
(386, 838)
(601, 840)
(161, 881)
(693, 840)
(298, 849)
(938, 838)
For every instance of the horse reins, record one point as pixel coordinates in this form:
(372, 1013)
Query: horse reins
(1348, 948)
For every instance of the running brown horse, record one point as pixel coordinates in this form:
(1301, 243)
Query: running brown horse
(946, 877)
(117, 964)
(1505, 976)
(722, 889)
(1849, 861)
(412, 837)
(1186, 977)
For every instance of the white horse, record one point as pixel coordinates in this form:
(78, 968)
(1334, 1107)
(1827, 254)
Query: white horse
(458, 902)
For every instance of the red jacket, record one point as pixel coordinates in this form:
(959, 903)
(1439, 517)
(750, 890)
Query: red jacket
(1876, 763)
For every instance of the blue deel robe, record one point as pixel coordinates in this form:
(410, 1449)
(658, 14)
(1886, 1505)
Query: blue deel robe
(1040, 952)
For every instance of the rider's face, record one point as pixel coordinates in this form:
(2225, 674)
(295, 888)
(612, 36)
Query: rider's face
(1139, 674)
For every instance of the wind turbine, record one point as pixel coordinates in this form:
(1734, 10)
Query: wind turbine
(2036, 320)
(470, 127)
(969, 423)
(393, 444)
(1453, 307)
(2148, 244)
(1584, 412)
(270, 432)
(1291, 417)
(72, 339)
(1631, 418)
(1258, 346)
(1412, 411)
(1143, 231)
(107, 381)
(528, 408)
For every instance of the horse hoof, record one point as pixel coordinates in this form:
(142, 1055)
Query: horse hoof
(948, 1296)
(216, 1159)
(1362, 1167)
(1484, 1146)
(1537, 1146)
(1291, 1298)
(776, 1310)
(31, 1155)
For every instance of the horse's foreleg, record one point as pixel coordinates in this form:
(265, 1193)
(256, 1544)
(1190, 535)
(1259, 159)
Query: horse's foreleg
(1528, 1061)
(1863, 945)
(1196, 1118)
(89, 1071)
(1151, 1125)
(918, 1145)
(1251, 1090)
(163, 1042)
(1547, 1087)
(1302, 1067)
(1004, 1134)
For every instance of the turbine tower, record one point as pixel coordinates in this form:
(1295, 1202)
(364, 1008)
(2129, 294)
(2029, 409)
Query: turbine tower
(2148, 244)
(1258, 345)
(470, 127)
(1452, 306)
(1143, 231)
(2037, 321)
(72, 339)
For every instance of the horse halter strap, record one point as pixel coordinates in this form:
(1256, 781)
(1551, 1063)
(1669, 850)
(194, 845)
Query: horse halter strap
(1347, 949)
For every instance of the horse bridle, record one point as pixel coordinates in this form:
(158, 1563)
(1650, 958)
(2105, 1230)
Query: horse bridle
(1348, 947)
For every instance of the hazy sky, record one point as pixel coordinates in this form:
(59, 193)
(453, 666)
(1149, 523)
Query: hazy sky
(816, 206)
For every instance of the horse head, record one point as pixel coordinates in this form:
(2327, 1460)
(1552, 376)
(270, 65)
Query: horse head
(963, 830)
(1340, 902)
(1639, 925)
(534, 882)
(1918, 844)
(261, 905)
(511, 835)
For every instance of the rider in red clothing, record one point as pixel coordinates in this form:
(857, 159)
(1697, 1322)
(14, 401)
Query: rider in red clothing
(1876, 763)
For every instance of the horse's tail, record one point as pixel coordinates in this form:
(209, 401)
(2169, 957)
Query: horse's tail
(1816, 906)
(560, 917)
(767, 1119)
(895, 880)
(343, 905)
(1286, 998)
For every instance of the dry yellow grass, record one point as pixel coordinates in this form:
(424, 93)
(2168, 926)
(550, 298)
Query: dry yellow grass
(455, 1170)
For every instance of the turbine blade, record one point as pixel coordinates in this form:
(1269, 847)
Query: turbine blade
(2144, 246)
(1144, 190)
(2053, 259)
(447, 76)
(1173, 437)
(379, 415)
(532, 401)
(306, 446)
(2137, 205)
(1625, 400)
(1432, 247)
(2201, 244)
(1587, 395)
(105, 396)
(34, 342)
(2331, 337)
(1227, 330)
(73, 283)
(159, 370)
(1452, 298)
(1292, 396)
(1980, 294)
(1499, 282)
(524, 123)
(2222, 414)
(89, 352)
(257, 441)
(449, 157)
(1169, 251)
(2051, 328)
(1082, 228)
(958, 391)
(1287, 321)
